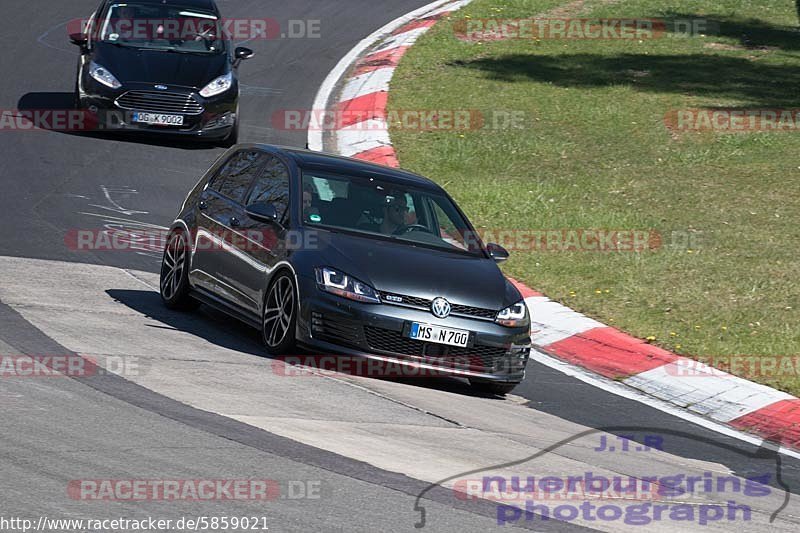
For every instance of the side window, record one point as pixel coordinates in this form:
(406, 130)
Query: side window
(272, 186)
(236, 175)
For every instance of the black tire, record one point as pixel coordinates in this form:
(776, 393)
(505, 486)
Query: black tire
(174, 282)
(492, 387)
(233, 137)
(76, 97)
(279, 317)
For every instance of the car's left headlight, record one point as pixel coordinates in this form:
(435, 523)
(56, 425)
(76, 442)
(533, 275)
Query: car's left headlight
(346, 286)
(218, 86)
(102, 75)
(514, 316)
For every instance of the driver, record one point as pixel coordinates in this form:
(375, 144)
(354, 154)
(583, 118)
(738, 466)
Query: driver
(394, 214)
(124, 22)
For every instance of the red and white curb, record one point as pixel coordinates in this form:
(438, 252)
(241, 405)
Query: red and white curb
(577, 339)
(359, 88)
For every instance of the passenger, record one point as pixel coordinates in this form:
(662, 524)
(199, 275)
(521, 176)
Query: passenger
(309, 209)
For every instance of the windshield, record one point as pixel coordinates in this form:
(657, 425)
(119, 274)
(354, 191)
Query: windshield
(375, 208)
(161, 27)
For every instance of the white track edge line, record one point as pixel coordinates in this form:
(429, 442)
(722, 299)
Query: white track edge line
(315, 137)
(630, 393)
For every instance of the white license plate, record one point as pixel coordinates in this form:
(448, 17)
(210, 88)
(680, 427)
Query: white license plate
(158, 119)
(439, 335)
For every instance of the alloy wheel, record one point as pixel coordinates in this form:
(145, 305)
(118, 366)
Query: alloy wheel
(173, 265)
(278, 312)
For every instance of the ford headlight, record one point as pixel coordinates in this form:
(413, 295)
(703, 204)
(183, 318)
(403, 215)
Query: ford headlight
(346, 286)
(514, 316)
(218, 86)
(102, 75)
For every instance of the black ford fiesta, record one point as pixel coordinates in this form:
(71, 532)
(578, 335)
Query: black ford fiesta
(162, 66)
(346, 257)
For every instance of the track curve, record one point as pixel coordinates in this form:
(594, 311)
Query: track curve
(179, 419)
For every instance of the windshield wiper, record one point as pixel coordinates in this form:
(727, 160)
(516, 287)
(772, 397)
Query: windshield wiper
(179, 51)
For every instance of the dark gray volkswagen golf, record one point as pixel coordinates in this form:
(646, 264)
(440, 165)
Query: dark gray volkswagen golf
(345, 257)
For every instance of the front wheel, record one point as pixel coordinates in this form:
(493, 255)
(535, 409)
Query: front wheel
(233, 137)
(492, 387)
(174, 283)
(76, 97)
(279, 318)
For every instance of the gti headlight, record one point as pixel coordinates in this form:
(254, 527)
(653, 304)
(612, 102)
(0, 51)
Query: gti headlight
(514, 316)
(102, 75)
(346, 286)
(218, 86)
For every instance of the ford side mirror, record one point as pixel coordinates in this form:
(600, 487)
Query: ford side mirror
(241, 53)
(497, 252)
(79, 39)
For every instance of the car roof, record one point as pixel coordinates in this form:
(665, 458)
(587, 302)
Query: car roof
(208, 5)
(324, 162)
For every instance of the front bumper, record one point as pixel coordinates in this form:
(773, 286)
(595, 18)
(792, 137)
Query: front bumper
(378, 332)
(215, 121)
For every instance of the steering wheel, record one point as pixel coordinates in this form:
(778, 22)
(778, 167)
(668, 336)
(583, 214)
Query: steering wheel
(209, 35)
(409, 228)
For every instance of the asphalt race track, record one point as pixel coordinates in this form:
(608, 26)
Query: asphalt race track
(207, 403)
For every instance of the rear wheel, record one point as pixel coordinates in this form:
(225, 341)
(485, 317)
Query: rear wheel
(492, 387)
(174, 283)
(279, 318)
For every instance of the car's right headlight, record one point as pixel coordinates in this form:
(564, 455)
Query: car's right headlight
(514, 316)
(102, 75)
(346, 286)
(218, 86)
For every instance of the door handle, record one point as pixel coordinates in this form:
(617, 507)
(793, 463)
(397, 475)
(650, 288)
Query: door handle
(234, 222)
(202, 205)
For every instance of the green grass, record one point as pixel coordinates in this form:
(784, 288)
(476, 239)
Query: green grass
(595, 153)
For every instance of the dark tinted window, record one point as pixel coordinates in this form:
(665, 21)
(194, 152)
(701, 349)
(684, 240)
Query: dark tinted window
(272, 186)
(236, 175)
(373, 207)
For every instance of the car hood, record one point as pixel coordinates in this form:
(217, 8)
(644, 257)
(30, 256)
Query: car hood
(154, 66)
(423, 272)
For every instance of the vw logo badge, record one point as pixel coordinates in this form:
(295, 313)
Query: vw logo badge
(440, 308)
(162, 87)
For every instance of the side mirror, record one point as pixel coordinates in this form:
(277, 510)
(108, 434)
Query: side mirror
(241, 53)
(497, 252)
(79, 39)
(263, 212)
